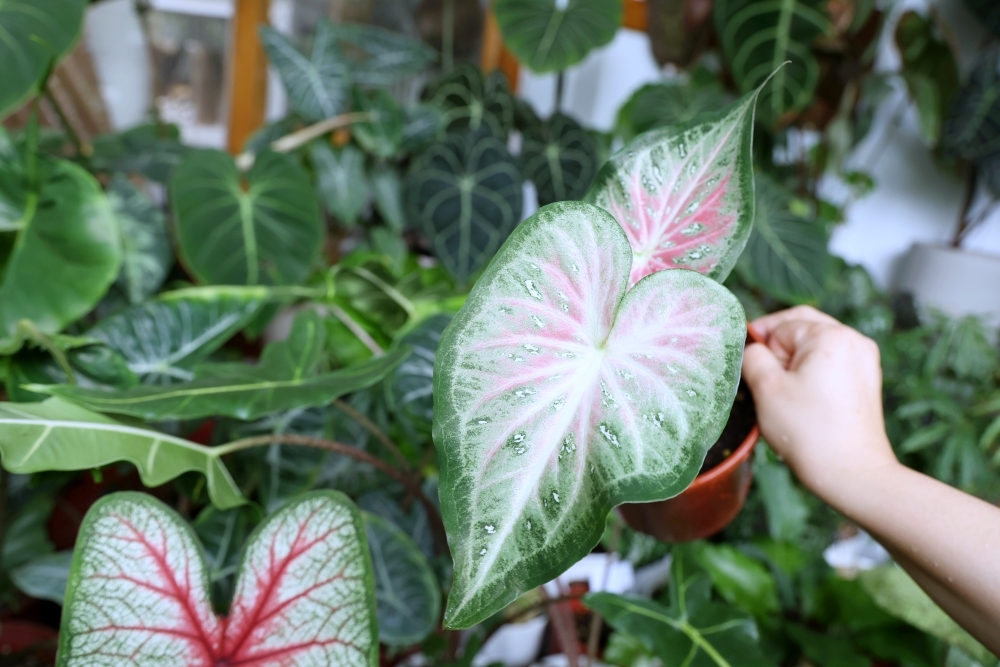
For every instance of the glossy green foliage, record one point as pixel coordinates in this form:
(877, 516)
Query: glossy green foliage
(57, 435)
(929, 69)
(759, 36)
(663, 104)
(465, 194)
(260, 228)
(66, 252)
(407, 594)
(549, 36)
(37, 34)
(972, 130)
(147, 256)
(560, 158)
(290, 375)
(470, 100)
(786, 254)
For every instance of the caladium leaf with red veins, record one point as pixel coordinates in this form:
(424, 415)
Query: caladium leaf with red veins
(560, 393)
(138, 591)
(684, 194)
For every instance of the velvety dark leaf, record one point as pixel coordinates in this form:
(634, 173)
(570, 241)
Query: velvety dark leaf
(471, 101)
(382, 134)
(549, 36)
(662, 104)
(341, 181)
(411, 386)
(261, 228)
(972, 129)
(560, 157)
(929, 69)
(146, 253)
(412, 521)
(465, 194)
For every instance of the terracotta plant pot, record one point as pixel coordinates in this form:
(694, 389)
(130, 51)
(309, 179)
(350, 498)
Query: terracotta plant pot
(707, 506)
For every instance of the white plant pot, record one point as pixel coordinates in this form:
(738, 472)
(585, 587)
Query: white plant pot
(514, 645)
(951, 280)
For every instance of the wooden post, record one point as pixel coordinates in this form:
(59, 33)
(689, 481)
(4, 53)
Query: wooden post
(635, 15)
(248, 90)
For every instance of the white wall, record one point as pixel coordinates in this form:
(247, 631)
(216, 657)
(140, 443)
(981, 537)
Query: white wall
(115, 40)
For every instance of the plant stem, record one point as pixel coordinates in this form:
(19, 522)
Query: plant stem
(597, 621)
(373, 428)
(390, 291)
(972, 181)
(448, 35)
(433, 515)
(560, 85)
(357, 330)
(290, 142)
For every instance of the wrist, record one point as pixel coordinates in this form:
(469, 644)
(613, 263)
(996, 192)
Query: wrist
(855, 480)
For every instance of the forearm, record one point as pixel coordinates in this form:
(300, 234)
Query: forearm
(949, 539)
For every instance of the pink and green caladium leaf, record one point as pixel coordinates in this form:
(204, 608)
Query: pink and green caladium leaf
(559, 393)
(684, 193)
(138, 590)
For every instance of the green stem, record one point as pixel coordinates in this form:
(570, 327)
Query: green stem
(38, 337)
(448, 35)
(390, 291)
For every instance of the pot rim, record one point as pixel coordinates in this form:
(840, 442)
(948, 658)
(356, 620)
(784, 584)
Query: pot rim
(742, 452)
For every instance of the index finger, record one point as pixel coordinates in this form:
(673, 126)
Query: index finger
(766, 325)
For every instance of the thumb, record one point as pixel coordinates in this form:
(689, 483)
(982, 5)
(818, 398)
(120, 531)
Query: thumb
(760, 366)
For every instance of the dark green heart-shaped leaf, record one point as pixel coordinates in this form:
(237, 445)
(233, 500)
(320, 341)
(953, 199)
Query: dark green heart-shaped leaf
(288, 376)
(340, 180)
(382, 134)
(261, 228)
(66, 252)
(316, 82)
(411, 387)
(465, 194)
(786, 255)
(162, 340)
(929, 69)
(663, 104)
(146, 253)
(549, 36)
(758, 36)
(412, 521)
(407, 594)
(972, 129)
(560, 157)
(471, 101)
(57, 435)
(36, 33)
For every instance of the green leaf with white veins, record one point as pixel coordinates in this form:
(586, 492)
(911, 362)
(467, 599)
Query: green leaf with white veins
(263, 227)
(382, 134)
(163, 339)
(288, 376)
(560, 158)
(470, 100)
(560, 393)
(340, 180)
(316, 82)
(57, 435)
(146, 253)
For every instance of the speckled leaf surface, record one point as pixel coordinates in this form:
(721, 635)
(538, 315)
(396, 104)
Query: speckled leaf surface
(684, 194)
(558, 395)
(138, 590)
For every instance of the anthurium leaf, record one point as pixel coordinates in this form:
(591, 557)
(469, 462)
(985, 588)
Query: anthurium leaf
(558, 395)
(470, 100)
(786, 255)
(465, 194)
(139, 588)
(146, 253)
(163, 339)
(66, 253)
(560, 157)
(549, 36)
(57, 435)
(382, 133)
(268, 232)
(377, 57)
(421, 128)
(406, 591)
(36, 33)
(929, 69)
(149, 150)
(44, 577)
(316, 82)
(663, 104)
(692, 630)
(411, 386)
(340, 180)
(288, 376)
(970, 130)
(684, 194)
(988, 11)
(757, 36)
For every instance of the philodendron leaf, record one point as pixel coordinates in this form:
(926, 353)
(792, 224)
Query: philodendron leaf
(560, 157)
(559, 394)
(263, 227)
(316, 83)
(138, 590)
(163, 339)
(684, 194)
(472, 101)
(465, 193)
(36, 33)
(549, 36)
(341, 181)
(57, 435)
(66, 253)
(288, 376)
(757, 36)
(406, 591)
(146, 253)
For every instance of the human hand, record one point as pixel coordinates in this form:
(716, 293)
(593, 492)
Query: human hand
(817, 385)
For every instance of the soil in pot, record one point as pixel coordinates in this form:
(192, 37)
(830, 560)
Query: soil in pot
(742, 419)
